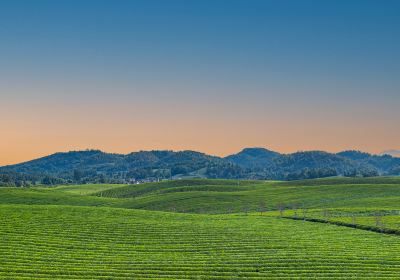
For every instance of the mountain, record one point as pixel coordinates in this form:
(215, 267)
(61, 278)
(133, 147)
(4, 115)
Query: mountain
(317, 164)
(253, 157)
(393, 153)
(384, 164)
(354, 155)
(97, 166)
(60, 163)
(94, 166)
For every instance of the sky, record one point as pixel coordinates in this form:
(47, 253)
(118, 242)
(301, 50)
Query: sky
(213, 76)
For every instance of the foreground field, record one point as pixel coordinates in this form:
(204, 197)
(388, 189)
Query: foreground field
(89, 232)
(64, 242)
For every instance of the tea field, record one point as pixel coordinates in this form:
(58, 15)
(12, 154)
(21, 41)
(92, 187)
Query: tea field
(200, 229)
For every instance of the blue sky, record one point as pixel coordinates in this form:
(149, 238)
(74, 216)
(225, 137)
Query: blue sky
(259, 67)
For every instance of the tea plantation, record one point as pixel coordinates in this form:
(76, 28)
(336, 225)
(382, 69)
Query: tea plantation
(200, 229)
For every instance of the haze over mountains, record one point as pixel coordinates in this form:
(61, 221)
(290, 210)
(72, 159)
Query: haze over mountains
(250, 163)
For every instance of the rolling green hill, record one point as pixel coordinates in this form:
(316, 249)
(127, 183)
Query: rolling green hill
(222, 196)
(219, 196)
(63, 242)
(202, 229)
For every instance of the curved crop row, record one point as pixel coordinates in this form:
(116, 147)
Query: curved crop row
(63, 242)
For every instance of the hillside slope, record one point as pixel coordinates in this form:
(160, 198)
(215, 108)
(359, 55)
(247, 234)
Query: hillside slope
(94, 166)
(253, 158)
(88, 231)
(219, 196)
(102, 243)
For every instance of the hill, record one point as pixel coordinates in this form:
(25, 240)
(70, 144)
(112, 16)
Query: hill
(98, 243)
(226, 229)
(383, 164)
(253, 158)
(99, 167)
(393, 153)
(94, 166)
(218, 196)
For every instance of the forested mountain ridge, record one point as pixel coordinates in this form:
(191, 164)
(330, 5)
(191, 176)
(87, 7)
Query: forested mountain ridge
(250, 163)
(253, 157)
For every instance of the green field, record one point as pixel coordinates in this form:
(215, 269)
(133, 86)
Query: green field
(201, 229)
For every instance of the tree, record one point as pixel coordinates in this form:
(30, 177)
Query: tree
(325, 214)
(78, 174)
(262, 206)
(281, 208)
(378, 220)
(295, 207)
(47, 181)
(353, 219)
(173, 208)
(246, 209)
(305, 211)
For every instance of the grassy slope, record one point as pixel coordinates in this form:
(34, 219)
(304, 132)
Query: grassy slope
(40, 196)
(64, 242)
(56, 233)
(219, 196)
(85, 189)
(383, 218)
(228, 196)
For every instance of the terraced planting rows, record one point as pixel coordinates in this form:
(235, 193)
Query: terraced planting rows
(87, 232)
(226, 196)
(85, 189)
(219, 196)
(383, 219)
(71, 242)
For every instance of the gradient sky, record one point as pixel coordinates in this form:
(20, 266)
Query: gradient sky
(213, 76)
